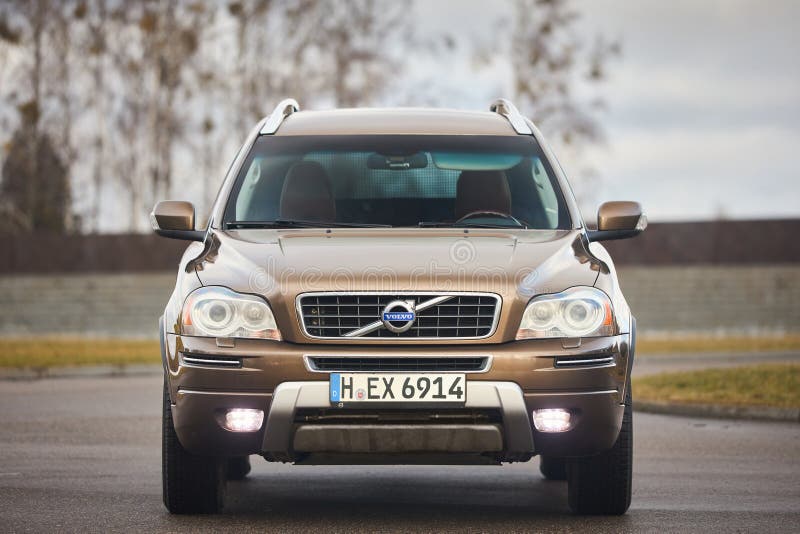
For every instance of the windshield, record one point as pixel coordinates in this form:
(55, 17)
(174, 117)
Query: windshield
(396, 180)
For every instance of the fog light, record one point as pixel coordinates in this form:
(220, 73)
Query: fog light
(551, 420)
(244, 419)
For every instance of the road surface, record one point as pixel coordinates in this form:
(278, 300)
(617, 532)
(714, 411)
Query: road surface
(83, 454)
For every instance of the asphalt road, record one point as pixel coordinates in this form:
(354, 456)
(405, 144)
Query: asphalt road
(83, 455)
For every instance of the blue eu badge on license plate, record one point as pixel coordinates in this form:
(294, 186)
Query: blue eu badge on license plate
(336, 387)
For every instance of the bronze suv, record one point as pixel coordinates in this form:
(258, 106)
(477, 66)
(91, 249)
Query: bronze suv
(397, 286)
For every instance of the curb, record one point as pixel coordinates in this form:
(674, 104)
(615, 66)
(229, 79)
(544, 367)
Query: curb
(758, 413)
(90, 371)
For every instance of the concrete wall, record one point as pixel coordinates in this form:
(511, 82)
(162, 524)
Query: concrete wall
(124, 305)
(736, 299)
(730, 299)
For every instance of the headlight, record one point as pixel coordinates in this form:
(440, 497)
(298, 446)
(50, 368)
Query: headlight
(576, 312)
(220, 312)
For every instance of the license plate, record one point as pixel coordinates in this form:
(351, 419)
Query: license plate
(397, 387)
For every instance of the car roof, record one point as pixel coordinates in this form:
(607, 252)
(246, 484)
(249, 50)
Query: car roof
(395, 121)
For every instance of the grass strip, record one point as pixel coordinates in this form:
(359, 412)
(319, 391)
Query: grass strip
(695, 344)
(65, 352)
(775, 385)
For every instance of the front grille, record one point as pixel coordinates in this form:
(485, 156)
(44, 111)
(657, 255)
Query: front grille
(461, 316)
(408, 364)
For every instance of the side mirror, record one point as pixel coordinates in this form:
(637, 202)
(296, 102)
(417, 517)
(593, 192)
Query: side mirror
(618, 220)
(175, 219)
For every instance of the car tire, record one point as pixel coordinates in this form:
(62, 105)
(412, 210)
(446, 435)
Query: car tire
(191, 484)
(553, 468)
(238, 467)
(601, 484)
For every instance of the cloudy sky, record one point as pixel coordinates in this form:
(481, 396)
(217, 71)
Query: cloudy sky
(703, 114)
(703, 105)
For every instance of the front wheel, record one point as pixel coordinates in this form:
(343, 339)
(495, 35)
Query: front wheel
(238, 467)
(191, 484)
(553, 468)
(602, 484)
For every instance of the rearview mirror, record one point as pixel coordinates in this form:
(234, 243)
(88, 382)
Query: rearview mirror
(175, 219)
(618, 220)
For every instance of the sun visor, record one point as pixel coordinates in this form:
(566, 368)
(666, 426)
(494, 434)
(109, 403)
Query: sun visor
(471, 161)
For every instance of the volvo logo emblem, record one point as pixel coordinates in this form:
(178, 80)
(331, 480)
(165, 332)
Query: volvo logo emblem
(398, 316)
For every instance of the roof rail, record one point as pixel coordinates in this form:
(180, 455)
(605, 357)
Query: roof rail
(504, 107)
(285, 108)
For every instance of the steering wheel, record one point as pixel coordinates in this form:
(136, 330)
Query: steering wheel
(490, 213)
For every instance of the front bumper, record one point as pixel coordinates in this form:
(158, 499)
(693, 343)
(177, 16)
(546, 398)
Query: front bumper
(274, 377)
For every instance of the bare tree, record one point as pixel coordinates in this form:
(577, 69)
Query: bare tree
(150, 51)
(36, 171)
(170, 36)
(62, 91)
(274, 41)
(123, 93)
(35, 187)
(92, 50)
(548, 61)
(356, 46)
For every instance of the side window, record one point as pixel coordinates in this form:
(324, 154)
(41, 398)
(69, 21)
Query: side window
(547, 195)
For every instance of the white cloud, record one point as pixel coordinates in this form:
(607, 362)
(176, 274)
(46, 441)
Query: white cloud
(680, 174)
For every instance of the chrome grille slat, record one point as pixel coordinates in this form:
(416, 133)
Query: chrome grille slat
(586, 361)
(210, 361)
(456, 316)
(399, 364)
(372, 317)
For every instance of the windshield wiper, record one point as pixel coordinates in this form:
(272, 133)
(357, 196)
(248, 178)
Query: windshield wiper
(466, 224)
(297, 223)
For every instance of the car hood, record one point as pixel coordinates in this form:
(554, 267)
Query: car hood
(281, 264)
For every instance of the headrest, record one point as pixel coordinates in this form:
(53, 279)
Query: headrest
(307, 193)
(482, 191)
